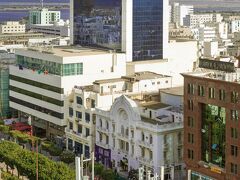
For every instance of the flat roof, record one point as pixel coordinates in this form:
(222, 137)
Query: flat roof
(148, 62)
(154, 105)
(69, 51)
(106, 81)
(153, 121)
(144, 75)
(174, 91)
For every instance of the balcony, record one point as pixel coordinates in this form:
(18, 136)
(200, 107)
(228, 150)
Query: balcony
(102, 129)
(145, 144)
(145, 161)
(102, 144)
(78, 119)
(123, 136)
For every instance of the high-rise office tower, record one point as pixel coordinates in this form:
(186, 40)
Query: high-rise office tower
(137, 27)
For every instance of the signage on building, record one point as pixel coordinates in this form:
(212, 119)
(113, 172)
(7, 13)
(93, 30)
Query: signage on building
(216, 170)
(216, 65)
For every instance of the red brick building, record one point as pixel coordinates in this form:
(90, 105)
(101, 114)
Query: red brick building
(212, 125)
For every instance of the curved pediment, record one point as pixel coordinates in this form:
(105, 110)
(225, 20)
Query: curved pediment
(124, 109)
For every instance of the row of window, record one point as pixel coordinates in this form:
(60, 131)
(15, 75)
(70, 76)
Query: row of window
(79, 114)
(37, 108)
(80, 129)
(36, 84)
(37, 96)
(212, 93)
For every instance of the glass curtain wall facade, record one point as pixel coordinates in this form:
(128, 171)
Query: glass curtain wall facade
(213, 135)
(147, 29)
(40, 66)
(97, 23)
(4, 92)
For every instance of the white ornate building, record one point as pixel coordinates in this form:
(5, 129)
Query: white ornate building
(133, 134)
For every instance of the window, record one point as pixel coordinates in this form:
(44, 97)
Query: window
(107, 125)
(132, 133)
(234, 133)
(87, 117)
(122, 130)
(107, 140)
(190, 88)
(100, 122)
(70, 125)
(190, 104)
(179, 153)
(80, 129)
(132, 149)
(87, 132)
(92, 103)
(234, 97)
(79, 100)
(143, 136)
(113, 126)
(234, 150)
(126, 133)
(150, 155)
(222, 94)
(180, 137)
(150, 139)
(127, 146)
(70, 112)
(87, 151)
(190, 122)
(190, 138)
(100, 137)
(190, 154)
(79, 115)
(234, 114)
(211, 93)
(143, 152)
(200, 90)
(233, 168)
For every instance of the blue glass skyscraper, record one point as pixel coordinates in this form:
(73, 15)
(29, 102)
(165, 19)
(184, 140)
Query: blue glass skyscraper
(137, 27)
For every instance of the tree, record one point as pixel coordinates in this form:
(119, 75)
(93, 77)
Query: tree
(67, 157)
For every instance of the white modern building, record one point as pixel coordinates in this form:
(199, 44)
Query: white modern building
(80, 130)
(139, 133)
(195, 20)
(42, 79)
(234, 25)
(60, 28)
(43, 16)
(11, 27)
(179, 13)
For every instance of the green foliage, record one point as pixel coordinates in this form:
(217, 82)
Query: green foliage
(51, 148)
(108, 174)
(23, 137)
(67, 157)
(4, 129)
(1, 122)
(8, 176)
(98, 168)
(25, 162)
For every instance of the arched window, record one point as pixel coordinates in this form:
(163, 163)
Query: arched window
(107, 125)
(150, 139)
(126, 132)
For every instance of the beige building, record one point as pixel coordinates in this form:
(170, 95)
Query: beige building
(11, 27)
